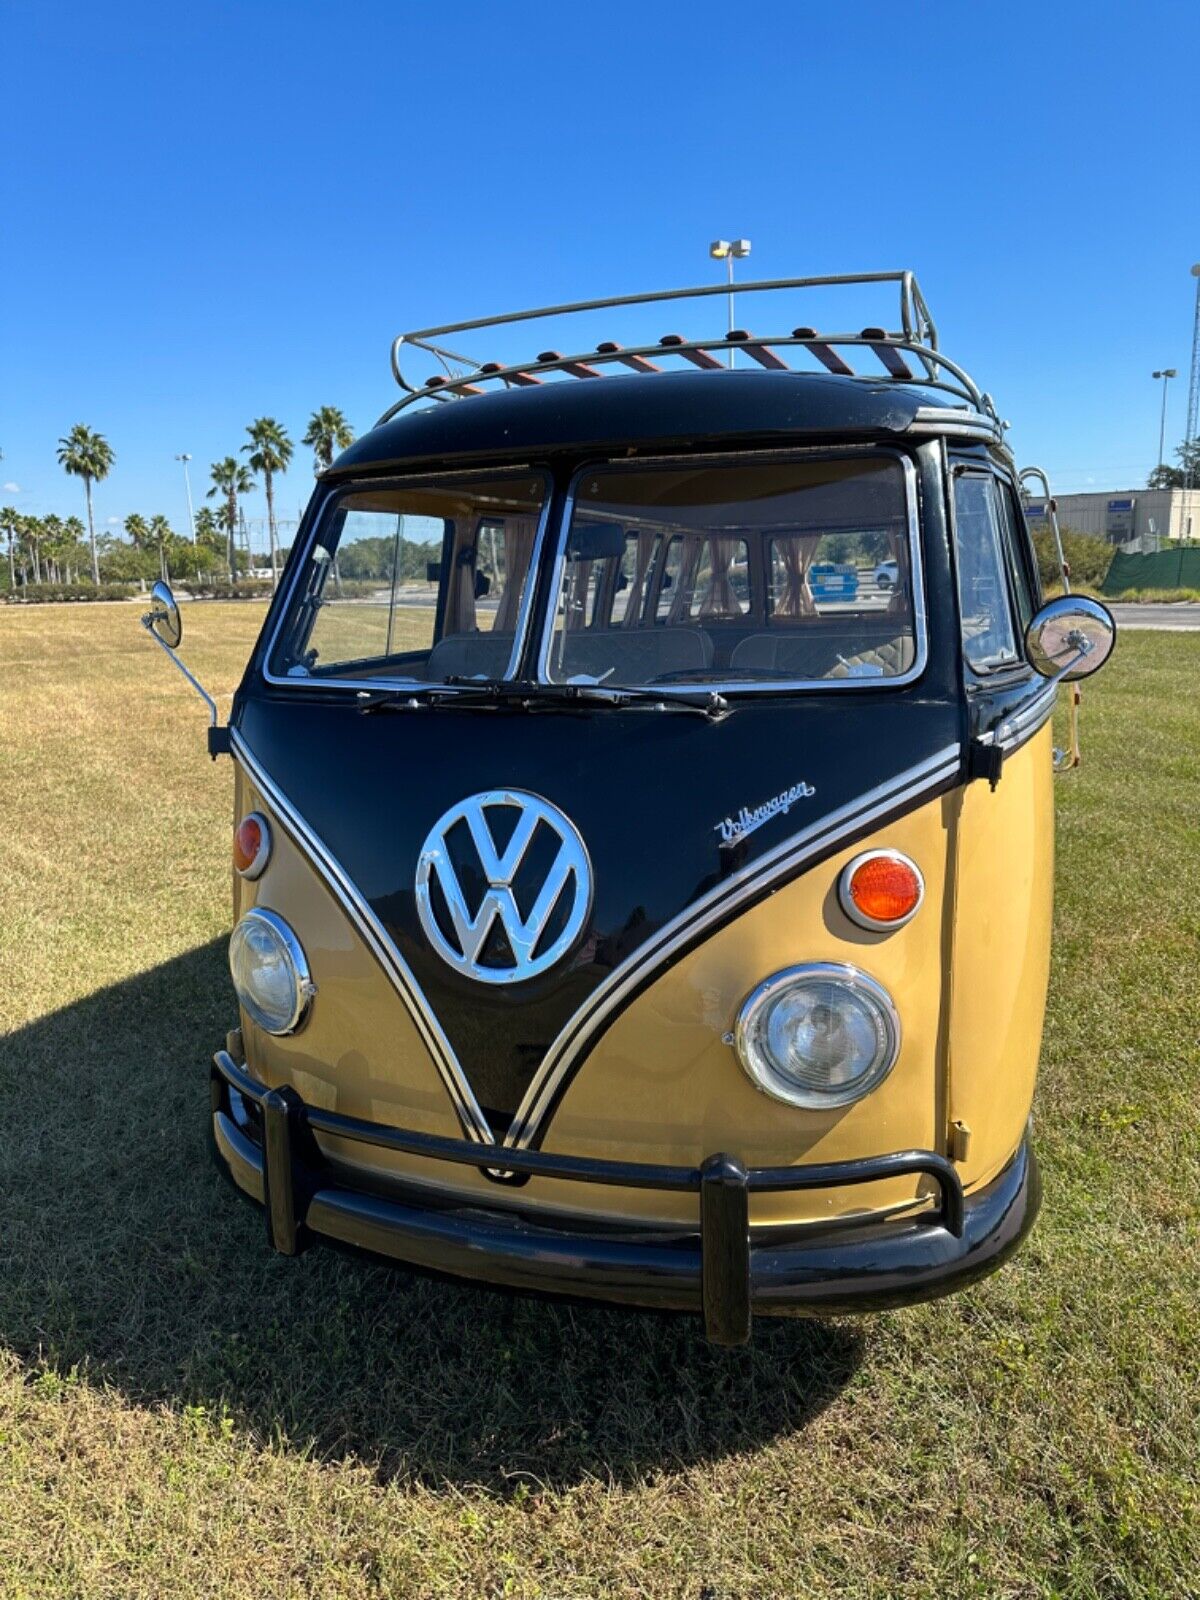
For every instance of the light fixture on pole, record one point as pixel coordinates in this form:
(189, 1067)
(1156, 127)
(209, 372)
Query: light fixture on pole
(727, 250)
(1164, 374)
(187, 484)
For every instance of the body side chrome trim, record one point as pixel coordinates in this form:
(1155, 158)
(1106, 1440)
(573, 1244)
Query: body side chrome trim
(395, 968)
(741, 686)
(569, 1048)
(1014, 730)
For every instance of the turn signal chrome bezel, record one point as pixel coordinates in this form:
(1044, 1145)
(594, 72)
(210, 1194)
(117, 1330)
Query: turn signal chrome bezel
(256, 860)
(856, 912)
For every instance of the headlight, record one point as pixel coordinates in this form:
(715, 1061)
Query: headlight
(818, 1036)
(270, 972)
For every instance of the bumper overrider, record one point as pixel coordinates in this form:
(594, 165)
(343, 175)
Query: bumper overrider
(265, 1141)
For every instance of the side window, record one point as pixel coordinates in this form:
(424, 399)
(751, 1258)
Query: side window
(989, 637)
(1017, 541)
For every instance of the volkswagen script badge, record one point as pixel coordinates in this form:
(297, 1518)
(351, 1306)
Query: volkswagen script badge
(504, 886)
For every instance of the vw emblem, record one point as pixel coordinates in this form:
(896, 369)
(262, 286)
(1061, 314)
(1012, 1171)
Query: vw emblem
(504, 886)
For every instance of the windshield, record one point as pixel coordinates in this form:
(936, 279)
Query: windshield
(736, 574)
(420, 583)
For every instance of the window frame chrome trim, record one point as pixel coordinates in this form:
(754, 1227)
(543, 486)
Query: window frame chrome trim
(738, 686)
(339, 883)
(771, 1081)
(573, 1042)
(418, 686)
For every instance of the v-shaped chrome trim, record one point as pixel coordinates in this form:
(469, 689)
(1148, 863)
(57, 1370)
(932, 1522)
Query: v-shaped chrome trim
(395, 968)
(571, 1046)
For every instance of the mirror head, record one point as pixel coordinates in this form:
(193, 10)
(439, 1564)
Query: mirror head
(1070, 638)
(163, 617)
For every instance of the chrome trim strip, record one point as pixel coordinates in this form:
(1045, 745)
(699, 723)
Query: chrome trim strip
(740, 686)
(572, 1042)
(395, 968)
(932, 421)
(1021, 726)
(416, 480)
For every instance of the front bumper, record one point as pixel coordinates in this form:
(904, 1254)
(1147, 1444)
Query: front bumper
(723, 1269)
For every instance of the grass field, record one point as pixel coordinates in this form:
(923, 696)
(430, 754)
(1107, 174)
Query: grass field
(183, 1414)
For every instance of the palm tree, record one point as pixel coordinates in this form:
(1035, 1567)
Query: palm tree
(52, 540)
(10, 523)
(72, 545)
(159, 536)
(31, 537)
(269, 452)
(87, 455)
(230, 479)
(328, 432)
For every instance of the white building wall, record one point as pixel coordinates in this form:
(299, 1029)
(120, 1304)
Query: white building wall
(1123, 514)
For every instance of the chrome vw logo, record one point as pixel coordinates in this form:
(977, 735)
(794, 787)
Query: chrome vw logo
(503, 912)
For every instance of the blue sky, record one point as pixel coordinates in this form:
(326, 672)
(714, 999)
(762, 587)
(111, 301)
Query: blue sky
(211, 212)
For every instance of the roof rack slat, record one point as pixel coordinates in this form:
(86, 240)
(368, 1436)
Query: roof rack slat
(698, 358)
(892, 359)
(577, 369)
(825, 354)
(459, 385)
(756, 351)
(638, 363)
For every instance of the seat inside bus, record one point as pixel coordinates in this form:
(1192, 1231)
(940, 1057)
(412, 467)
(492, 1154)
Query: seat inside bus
(470, 655)
(639, 655)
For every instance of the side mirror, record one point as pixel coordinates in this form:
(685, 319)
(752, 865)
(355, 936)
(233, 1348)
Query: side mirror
(1070, 638)
(163, 618)
(165, 626)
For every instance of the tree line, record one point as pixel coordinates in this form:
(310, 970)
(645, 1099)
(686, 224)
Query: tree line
(1188, 456)
(58, 550)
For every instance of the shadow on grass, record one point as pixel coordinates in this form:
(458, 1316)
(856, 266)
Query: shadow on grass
(122, 1251)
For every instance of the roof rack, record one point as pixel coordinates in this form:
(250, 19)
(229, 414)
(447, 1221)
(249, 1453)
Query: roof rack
(916, 337)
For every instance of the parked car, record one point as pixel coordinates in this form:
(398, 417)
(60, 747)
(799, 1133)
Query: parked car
(664, 932)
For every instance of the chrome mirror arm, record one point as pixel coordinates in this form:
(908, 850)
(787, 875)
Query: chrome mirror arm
(148, 624)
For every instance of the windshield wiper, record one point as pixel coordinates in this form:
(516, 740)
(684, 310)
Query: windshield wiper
(527, 695)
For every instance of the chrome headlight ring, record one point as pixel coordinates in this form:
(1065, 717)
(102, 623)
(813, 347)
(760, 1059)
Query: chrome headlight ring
(841, 992)
(268, 926)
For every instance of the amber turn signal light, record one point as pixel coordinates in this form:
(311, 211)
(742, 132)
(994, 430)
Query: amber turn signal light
(252, 845)
(881, 889)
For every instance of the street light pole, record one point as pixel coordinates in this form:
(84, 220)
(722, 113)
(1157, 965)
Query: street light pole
(725, 250)
(1192, 408)
(187, 484)
(1166, 372)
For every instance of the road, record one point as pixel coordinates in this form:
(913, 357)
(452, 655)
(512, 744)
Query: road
(1181, 618)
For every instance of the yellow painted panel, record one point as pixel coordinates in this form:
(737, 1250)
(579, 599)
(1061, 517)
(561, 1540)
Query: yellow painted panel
(359, 1052)
(1003, 903)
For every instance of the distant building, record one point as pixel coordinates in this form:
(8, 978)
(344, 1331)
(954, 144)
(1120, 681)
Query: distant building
(1148, 517)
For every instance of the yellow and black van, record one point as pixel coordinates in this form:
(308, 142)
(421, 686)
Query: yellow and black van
(644, 835)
